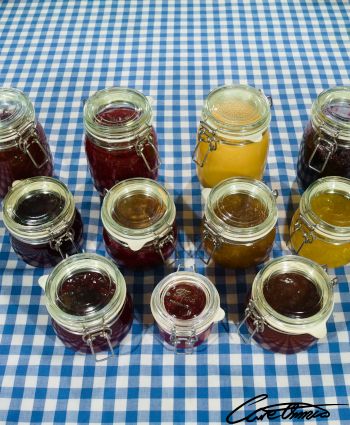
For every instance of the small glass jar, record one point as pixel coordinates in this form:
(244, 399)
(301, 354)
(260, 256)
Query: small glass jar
(139, 228)
(185, 305)
(325, 148)
(320, 228)
(120, 141)
(239, 224)
(86, 297)
(233, 136)
(44, 224)
(289, 305)
(24, 151)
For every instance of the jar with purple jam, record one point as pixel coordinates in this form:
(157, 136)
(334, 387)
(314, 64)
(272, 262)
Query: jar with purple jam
(90, 308)
(325, 148)
(185, 305)
(24, 151)
(120, 141)
(139, 228)
(289, 305)
(43, 222)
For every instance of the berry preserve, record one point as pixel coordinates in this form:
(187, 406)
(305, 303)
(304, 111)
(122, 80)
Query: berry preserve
(24, 151)
(120, 141)
(44, 224)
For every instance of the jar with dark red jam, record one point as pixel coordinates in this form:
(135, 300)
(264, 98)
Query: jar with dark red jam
(138, 217)
(120, 141)
(86, 297)
(43, 222)
(185, 305)
(24, 151)
(289, 305)
(325, 148)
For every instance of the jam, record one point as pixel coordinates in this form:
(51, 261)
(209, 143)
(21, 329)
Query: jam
(332, 208)
(184, 301)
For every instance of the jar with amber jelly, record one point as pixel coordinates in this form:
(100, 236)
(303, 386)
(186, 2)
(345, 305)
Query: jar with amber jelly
(24, 151)
(239, 224)
(138, 217)
(120, 141)
(325, 147)
(320, 228)
(289, 305)
(233, 135)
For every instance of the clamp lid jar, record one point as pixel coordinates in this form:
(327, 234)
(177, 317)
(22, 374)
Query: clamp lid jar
(185, 305)
(41, 217)
(233, 136)
(120, 141)
(86, 297)
(325, 147)
(24, 151)
(290, 302)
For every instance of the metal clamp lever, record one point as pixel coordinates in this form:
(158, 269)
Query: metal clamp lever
(105, 333)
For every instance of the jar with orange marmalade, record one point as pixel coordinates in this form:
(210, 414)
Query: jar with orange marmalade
(233, 134)
(239, 225)
(320, 228)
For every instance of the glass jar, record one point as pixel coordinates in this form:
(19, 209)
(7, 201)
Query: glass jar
(233, 136)
(325, 148)
(120, 141)
(24, 151)
(138, 218)
(320, 228)
(289, 305)
(86, 297)
(44, 224)
(239, 224)
(185, 305)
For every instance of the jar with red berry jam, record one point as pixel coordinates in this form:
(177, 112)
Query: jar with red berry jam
(185, 305)
(43, 222)
(90, 308)
(290, 303)
(24, 151)
(120, 141)
(138, 217)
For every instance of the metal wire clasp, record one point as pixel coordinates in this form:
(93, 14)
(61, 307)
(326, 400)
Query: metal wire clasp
(308, 235)
(161, 242)
(24, 145)
(57, 243)
(330, 146)
(141, 143)
(89, 337)
(215, 240)
(205, 135)
(188, 340)
(257, 319)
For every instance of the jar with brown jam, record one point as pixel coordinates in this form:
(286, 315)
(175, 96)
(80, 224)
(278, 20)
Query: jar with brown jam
(289, 305)
(86, 297)
(120, 141)
(233, 135)
(320, 228)
(138, 217)
(185, 305)
(239, 224)
(24, 151)
(325, 148)
(43, 222)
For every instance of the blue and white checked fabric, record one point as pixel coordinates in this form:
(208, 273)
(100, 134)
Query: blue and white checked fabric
(60, 52)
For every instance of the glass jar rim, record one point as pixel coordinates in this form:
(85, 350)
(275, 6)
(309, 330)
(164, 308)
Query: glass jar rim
(72, 265)
(242, 185)
(183, 327)
(307, 268)
(44, 232)
(113, 136)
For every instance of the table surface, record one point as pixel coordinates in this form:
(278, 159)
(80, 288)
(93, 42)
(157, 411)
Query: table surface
(61, 52)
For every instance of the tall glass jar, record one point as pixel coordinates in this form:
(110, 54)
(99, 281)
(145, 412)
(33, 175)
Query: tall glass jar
(138, 217)
(233, 135)
(120, 141)
(320, 228)
(239, 224)
(44, 224)
(325, 147)
(86, 297)
(289, 305)
(24, 151)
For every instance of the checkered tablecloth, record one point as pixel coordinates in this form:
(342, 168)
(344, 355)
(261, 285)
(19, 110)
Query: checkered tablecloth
(60, 52)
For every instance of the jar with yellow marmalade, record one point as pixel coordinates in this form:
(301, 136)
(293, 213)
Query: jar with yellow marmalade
(320, 228)
(233, 135)
(239, 224)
